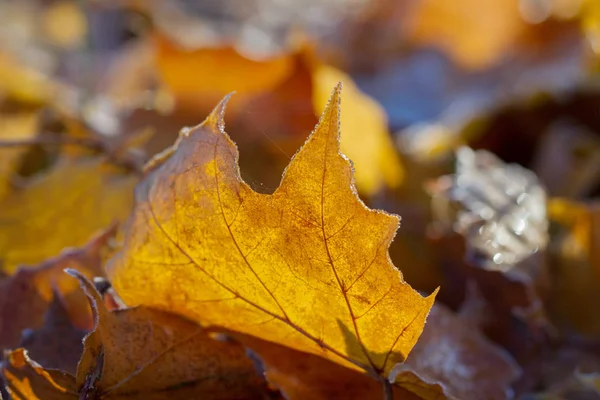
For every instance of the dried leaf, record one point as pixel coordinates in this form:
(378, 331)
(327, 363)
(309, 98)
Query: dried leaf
(502, 209)
(454, 353)
(306, 266)
(57, 345)
(26, 296)
(27, 380)
(304, 376)
(61, 208)
(141, 353)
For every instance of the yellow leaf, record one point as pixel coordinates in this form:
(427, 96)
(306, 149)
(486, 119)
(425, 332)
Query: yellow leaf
(24, 84)
(306, 267)
(64, 207)
(141, 353)
(14, 127)
(590, 19)
(366, 140)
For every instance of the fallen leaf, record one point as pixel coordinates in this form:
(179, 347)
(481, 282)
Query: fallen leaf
(457, 355)
(450, 26)
(516, 316)
(575, 266)
(590, 21)
(24, 84)
(60, 208)
(306, 266)
(213, 70)
(27, 380)
(57, 344)
(304, 376)
(141, 353)
(14, 127)
(26, 296)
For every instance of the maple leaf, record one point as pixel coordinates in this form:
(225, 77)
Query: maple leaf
(306, 266)
(61, 208)
(140, 353)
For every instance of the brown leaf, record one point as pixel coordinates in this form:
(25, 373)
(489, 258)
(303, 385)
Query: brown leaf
(58, 344)
(27, 380)
(454, 353)
(141, 353)
(304, 376)
(25, 297)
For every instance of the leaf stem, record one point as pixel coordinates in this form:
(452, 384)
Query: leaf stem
(388, 393)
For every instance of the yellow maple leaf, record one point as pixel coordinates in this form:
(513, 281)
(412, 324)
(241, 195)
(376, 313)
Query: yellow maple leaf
(61, 208)
(139, 353)
(306, 266)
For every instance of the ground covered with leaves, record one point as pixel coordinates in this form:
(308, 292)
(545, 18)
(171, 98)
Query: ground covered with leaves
(400, 201)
